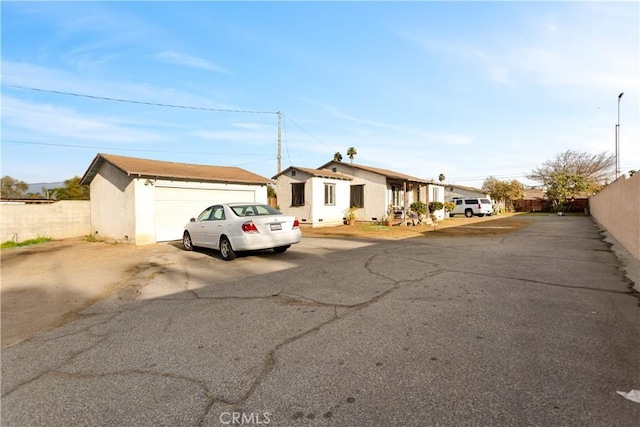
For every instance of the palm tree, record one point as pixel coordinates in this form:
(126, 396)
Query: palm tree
(351, 153)
(441, 178)
(337, 157)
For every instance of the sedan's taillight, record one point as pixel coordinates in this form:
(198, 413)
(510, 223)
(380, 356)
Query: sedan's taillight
(296, 224)
(249, 227)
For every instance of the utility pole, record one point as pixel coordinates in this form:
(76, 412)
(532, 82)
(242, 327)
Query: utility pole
(279, 142)
(618, 139)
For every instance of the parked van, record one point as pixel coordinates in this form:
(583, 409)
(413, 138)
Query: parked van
(472, 206)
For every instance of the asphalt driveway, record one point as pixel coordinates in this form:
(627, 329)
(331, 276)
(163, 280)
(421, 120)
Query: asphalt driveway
(538, 327)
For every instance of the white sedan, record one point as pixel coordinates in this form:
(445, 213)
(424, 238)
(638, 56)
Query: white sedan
(232, 227)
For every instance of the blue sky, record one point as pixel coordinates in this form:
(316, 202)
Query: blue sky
(468, 89)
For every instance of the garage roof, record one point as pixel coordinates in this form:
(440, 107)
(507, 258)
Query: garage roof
(145, 168)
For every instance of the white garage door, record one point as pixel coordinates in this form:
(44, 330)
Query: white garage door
(175, 206)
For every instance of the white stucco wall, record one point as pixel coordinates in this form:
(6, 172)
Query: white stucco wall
(376, 193)
(145, 210)
(329, 215)
(439, 197)
(112, 205)
(283, 192)
(314, 212)
(453, 191)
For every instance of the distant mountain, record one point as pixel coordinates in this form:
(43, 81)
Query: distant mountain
(37, 187)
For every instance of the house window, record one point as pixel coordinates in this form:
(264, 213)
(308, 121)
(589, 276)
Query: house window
(357, 196)
(330, 194)
(395, 195)
(297, 194)
(435, 194)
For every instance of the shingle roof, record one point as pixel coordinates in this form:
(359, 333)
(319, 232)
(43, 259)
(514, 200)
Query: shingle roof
(183, 171)
(321, 173)
(384, 172)
(463, 187)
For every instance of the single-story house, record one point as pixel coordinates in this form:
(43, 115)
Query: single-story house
(454, 191)
(145, 201)
(373, 192)
(317, 197)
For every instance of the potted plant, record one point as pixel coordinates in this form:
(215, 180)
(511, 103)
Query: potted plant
(433, 207)
(419, 209)
(390, 217)
(350, 215)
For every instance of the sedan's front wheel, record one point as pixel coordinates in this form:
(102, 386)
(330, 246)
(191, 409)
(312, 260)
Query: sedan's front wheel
(186, 241)
(226, 251)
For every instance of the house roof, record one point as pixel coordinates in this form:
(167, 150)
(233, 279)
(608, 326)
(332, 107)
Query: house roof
(534, 193)
(321, 173)
(145, 168)
(463, 187)
(384, 172)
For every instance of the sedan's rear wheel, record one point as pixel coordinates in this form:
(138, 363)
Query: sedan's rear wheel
(468, 213)
(186, 241)
(281, 249)
(226, 251)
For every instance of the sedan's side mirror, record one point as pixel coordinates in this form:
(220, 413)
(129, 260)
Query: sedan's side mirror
(192, 220)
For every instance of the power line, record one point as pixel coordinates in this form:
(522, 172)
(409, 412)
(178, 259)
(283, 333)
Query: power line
(307, 132)
(286, 141)
(93, 147)
(156, 104)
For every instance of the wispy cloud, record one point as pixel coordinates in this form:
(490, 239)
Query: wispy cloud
(177, 58)
(451, 139)
(62, 123)
(30, 75)
(579, 49)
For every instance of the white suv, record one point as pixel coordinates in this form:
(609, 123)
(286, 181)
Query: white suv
(472, 206)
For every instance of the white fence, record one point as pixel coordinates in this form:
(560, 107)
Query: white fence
(617, 209)
(58, 220)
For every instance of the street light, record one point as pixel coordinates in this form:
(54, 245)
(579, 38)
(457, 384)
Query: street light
(618, 139)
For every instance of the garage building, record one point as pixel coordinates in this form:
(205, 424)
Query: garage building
(143, 201)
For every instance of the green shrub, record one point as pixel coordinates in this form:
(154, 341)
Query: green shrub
(419, 207)
(435, 206)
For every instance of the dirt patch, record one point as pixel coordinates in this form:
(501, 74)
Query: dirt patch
(451, 227)
(46, 285)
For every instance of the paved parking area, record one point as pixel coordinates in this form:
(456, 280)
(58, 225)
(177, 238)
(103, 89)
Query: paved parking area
(538, 327)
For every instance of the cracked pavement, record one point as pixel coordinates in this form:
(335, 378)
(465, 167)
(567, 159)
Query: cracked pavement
(538, 327)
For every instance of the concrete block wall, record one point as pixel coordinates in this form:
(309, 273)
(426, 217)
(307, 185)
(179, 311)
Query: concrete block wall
(58, 220)
(617, 209)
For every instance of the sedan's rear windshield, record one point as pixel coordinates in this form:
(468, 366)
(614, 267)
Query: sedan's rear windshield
(487, 201)
(254, 210)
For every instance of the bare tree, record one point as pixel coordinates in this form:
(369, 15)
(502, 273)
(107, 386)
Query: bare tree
(572, 172)
(596, 169)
